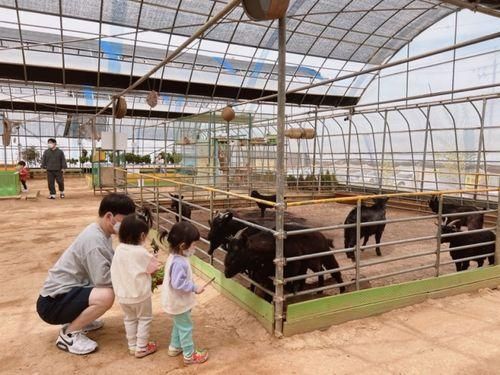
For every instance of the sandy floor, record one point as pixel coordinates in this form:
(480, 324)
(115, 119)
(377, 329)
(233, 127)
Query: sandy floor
(455, 335)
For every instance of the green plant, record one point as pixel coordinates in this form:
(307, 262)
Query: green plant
(175, 158)
(129, 158)
(146, 159)
(301, 181)
(84, 159)
(157, 278)
(31, 155)
(291, 180)
(328, 181)
(310, 182)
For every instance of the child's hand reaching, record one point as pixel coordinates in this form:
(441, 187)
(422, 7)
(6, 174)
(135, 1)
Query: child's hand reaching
(200, 289)
(153, 266)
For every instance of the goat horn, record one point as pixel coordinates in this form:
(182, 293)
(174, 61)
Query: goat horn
(240, 233)
(451, 224)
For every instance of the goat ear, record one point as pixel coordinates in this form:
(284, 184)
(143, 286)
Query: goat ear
(182, 196)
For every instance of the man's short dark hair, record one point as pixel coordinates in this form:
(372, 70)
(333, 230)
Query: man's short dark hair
(117, 204)
(22, 163)
(51, 140)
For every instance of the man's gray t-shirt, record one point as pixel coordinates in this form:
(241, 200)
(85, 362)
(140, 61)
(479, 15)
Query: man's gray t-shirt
(86, 263)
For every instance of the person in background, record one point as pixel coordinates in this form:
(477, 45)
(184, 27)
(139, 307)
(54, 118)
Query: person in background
(54, 161)
(24, 174)
(131, 271)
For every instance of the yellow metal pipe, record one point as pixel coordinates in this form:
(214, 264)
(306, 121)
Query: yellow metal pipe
(392, 195)
(202, 187)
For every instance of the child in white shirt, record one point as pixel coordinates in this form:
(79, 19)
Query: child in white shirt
(131, 271)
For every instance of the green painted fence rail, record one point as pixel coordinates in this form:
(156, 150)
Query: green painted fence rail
(324, 312)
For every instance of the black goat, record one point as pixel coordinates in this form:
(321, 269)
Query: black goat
(472, 221)
(222, 227)
(255, 254)
(262, 206)
(174, 206)
(465, 239)
(376, 212)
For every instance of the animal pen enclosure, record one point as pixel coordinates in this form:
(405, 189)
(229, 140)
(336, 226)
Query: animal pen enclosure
(335, 103)
(417, 266)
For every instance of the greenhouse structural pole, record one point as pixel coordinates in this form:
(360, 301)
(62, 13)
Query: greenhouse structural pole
(439, 234)
(479, 147)
(280, 181)
(358, 241)
(424, 156)
(114, 146)
(249, 154)
(165, 162)
(314, 144)
(382, 157)
(348, 166)
(497, 231)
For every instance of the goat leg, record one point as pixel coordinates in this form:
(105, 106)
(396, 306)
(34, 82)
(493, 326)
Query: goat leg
(378, 236)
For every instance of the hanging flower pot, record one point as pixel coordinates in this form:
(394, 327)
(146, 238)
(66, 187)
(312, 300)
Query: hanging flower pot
(152, 99)
(228, 113)
(120, 107)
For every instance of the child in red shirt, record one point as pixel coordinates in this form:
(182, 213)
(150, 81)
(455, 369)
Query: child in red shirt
(24, 174)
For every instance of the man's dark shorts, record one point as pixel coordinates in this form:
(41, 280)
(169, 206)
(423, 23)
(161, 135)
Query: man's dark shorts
(63, 308)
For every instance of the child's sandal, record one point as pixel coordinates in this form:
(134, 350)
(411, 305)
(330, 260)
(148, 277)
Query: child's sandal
(149, 349)
(198, 357)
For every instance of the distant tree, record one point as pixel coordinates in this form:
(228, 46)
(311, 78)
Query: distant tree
(31, 155)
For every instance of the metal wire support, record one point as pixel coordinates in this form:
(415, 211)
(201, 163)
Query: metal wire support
(497, 232)
(280, 183)
(157, 196)
(358, 240)
(180, 203)
(438, 239)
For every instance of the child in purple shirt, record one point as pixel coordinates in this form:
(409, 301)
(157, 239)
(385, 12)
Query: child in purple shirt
(179, 289)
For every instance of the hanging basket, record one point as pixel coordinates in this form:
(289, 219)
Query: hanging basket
(228, 113)
(308, 133)
(152, 99)
(120, 107)
(7, 131)
(260, 10)
(300, 133)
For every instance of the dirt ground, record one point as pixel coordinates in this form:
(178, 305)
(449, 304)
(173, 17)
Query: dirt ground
(456, 335)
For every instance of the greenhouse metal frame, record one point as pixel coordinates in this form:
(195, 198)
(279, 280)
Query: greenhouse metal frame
(352, 43)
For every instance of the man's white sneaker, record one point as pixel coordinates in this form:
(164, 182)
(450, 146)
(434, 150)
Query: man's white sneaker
(51, 197)
(75, 342)
(94, 326)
